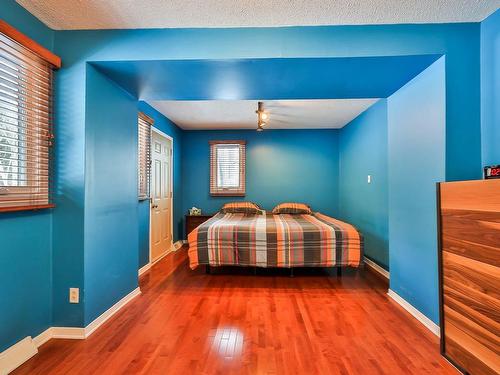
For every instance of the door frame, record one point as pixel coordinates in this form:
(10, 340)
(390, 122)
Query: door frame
(171, 248)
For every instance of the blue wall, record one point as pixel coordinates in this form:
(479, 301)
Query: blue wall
(416, 144)
(26, 279)
(68, 217)
(282, 165)
(363, 152)
(267, 78)
(22, 20)
(25, 253)
(143, 208)
(400, 142)
(459, 42)
(168, 127)
(111, 212)
(490, 84)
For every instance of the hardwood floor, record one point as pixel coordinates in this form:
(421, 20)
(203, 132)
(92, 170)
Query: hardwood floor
(232, 322)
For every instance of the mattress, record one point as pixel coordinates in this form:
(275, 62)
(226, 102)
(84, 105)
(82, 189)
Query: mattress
(267, 240)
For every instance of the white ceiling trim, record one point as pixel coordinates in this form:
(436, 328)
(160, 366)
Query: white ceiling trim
(134, 14)
(284, 114)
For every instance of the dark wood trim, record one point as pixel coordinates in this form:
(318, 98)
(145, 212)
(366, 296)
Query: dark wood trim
(231, 142)
(454, 364)
(146, 118)
(440, 267)
(29, 43)
(228, 194)
(442, 342)
(27, 208)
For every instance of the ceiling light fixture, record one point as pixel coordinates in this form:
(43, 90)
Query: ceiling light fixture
(262, 116)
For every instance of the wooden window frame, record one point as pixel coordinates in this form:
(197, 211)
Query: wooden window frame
(227, 192)
(30, 44)
(33, 153)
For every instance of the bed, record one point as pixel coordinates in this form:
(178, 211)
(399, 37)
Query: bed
(271, 240)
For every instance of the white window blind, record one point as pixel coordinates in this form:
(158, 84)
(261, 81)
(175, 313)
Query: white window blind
(144, 155)
(25, 128)
(227, 168)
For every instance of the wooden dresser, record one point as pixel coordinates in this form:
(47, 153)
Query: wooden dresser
(469, 262)
(192, 221)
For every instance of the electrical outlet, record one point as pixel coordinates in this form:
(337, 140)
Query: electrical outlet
(369, 179)
(74, 295)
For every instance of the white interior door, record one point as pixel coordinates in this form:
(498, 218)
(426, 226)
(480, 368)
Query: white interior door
(161, 196)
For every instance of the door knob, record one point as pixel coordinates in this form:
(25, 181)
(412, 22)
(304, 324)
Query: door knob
(154, 206)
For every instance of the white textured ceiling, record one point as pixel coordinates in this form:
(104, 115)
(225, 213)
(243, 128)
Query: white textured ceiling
(283, 114)
(133, 14)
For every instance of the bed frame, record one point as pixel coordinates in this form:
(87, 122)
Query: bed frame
(208, 270)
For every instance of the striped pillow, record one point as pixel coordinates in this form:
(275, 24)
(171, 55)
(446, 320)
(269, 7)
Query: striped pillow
(292, 208)
(241, 208)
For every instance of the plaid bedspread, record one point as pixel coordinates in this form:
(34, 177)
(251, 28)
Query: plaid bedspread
(275, 241)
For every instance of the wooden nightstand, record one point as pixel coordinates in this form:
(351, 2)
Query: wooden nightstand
(192, 221)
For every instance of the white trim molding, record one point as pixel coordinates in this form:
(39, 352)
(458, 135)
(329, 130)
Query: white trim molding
(179, 244)
(171, 180)
(161, 256)
(374, 266)
(144, 268)
(429, 324)
(148, 266)
(20, 352)
(100, 320)
(43, 337)
(13, 357)
(74, 333)
(176, 246)
(163, 134)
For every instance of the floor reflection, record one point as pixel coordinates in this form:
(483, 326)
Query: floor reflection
(227, 341)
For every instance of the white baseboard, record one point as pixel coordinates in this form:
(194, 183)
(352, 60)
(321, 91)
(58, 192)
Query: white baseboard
(20, 352)
(43, 337)
(179, 244)
(175, 246)
(100, 320)
(151, 264)
(144, 268)
(429, 324)
(74, 333)
(374, 266)
(16, 355)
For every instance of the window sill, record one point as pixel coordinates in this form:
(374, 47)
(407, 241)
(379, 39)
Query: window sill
(26, 208)
(227, 194)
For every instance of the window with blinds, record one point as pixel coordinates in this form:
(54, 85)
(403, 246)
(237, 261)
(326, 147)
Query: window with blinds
(144, 155)
(227, 168)
(25, 127)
